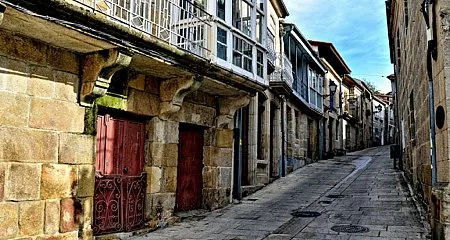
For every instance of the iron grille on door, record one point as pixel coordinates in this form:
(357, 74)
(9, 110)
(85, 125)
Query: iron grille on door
(120, 181)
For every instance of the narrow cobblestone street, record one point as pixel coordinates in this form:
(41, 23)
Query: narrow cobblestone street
(360, 189)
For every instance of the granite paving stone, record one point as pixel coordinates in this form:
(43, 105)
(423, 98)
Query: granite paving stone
(376, 196)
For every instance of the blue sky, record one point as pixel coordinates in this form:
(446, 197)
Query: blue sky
(356, 28)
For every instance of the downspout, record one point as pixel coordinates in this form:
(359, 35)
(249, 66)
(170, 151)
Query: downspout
(238, 155)
(283, 153)
(430, 48)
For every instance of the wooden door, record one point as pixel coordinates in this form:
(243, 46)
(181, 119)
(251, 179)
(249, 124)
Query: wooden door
(120, 180)
(190, 166)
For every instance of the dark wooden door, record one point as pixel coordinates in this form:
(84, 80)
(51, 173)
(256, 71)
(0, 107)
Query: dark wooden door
(190, 166)
(120, 180)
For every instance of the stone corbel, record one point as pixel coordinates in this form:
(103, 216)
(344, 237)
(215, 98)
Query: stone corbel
(173, 91)
(2, 11)
(97, 71)
(227, 108)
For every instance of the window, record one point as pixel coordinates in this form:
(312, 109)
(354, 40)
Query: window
(259, 63)
(221, 9)
(242, 54)
(221, 43)
(242, 14)
(260, 4)
(259, 18)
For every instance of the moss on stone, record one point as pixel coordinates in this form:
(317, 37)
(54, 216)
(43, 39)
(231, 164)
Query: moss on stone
(110, 101)
(90, 120)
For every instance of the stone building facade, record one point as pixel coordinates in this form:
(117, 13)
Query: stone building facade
(100, 115)
(263, 155)
(379, 115)
(304, 106)
(333, 105)
(419, 37)
(352, 121)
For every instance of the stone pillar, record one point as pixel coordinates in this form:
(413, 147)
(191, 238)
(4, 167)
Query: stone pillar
(161, 161)
(217, 171)
(252, 140)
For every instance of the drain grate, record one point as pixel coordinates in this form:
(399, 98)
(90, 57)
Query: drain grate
(326, 202)
(350, 229)
(336, 196)
(305, 214)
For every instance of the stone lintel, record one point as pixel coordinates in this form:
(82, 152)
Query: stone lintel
(173, 91)
(97, 71)
(228, 106)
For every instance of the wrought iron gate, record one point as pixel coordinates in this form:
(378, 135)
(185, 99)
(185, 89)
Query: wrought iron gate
(119, 203)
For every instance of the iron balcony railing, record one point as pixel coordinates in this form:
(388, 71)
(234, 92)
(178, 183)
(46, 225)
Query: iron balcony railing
(287, 70)
(182, 23)
(270, 45)
(284, 73)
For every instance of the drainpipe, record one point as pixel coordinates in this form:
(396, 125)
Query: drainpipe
(430, 48)
(283, 153)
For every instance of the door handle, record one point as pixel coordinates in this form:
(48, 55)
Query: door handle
(125, 169)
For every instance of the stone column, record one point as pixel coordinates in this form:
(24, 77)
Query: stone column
(252, 140)
(217, 170)
(161, 161)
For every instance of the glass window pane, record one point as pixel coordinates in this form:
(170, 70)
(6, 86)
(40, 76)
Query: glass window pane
(246, 19)
(221, 9)
(259, 57)
(260, 4)
(248, 64)
(221, 35)
(258, 27)
(236, 13)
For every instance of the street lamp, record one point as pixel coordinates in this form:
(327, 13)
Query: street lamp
(333, 87)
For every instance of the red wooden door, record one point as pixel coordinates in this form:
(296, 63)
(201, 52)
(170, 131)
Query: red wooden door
(120, 180)
(190, 164)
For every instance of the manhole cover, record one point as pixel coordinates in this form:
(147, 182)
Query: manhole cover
(350, 229)
(336, 196)
(305, 214)
(325, 202)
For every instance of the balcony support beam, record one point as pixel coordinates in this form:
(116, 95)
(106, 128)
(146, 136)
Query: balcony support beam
(97, 71)
(227, 107)
(173, 91)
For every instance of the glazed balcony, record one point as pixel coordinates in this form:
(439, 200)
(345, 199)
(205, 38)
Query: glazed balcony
(181, 23)
(282, 78)
(271, 53)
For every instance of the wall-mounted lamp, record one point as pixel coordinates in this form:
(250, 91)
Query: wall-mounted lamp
(333, 88)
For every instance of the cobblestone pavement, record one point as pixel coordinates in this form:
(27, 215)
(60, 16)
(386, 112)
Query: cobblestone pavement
(369, 196)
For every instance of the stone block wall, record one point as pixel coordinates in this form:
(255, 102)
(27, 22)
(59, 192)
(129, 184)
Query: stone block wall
(47, 147)
(46, 162)
(297, 137)
(412, 84)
